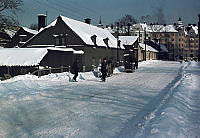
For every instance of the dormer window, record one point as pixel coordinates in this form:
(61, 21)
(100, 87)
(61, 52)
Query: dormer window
(106, 41)
(93, 38)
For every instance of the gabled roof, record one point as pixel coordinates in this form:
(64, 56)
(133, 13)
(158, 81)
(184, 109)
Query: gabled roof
(128, 40)
(148, 48)
(86, 31)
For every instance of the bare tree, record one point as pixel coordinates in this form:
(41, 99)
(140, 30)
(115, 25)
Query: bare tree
(146, 19)
(127, 19)
(7, 9)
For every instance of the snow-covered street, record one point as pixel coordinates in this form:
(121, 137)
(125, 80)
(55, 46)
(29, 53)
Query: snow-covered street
(150, 102)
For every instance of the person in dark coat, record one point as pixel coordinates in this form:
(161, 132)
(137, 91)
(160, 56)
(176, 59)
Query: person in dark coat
(103, 70)
(75, 70)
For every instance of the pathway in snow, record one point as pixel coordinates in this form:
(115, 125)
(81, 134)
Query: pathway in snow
(178, 115)
(52, 106)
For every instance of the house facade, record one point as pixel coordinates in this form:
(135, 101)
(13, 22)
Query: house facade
(191, 42)
(181, 42)
(95, 42)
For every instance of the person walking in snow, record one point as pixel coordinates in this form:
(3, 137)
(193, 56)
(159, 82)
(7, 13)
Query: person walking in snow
(103, 70)
(75, 70)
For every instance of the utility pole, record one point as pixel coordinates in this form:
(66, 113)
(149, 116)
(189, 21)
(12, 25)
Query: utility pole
(199, 38)
(128, 28)
(117, 43)
(46, 17)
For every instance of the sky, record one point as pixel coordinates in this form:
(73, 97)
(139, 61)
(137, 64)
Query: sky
(109, 10)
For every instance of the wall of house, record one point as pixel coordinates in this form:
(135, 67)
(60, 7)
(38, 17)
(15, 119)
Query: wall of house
(140, 55)
(93, 56)
(4, 39)
(57, 59)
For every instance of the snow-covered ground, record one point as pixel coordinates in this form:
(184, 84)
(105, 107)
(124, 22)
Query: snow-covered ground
(135, 104)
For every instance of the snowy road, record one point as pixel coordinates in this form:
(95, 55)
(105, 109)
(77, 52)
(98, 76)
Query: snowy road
(124, 106)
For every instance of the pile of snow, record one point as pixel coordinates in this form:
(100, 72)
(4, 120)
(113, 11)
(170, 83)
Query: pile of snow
(119, 69)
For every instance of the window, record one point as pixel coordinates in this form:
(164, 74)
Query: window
(57, 41)
(63, 41)
(93, 61)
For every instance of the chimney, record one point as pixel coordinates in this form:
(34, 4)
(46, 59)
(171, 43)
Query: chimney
(112, 26)
(87, 20)
(41, 21)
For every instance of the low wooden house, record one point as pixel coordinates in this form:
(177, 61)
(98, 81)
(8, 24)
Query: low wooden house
(6, 36)
(19, 61)
(20, 37)
(151, 53)
(163, 53)
(97, 43)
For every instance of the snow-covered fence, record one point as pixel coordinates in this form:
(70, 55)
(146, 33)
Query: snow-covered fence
(45, 71)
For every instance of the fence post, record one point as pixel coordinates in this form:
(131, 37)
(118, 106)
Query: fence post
(8, 70)
(61, 69)
(69, 69)
(50, 70)
(83, 68)
(39, 73)
(93, 67)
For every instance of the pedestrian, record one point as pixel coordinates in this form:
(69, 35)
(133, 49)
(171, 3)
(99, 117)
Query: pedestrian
(103, 70)
(75, 70)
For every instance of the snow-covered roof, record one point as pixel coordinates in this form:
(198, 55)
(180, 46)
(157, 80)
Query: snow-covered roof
(110, 30)
(195, 28)
(66, 50)
(161, 28)
(86, 31)
(11, 33)
(156, 28)
(148, 48)
(21, 56)
(30, 30)
(27, 56)
(128, 40)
